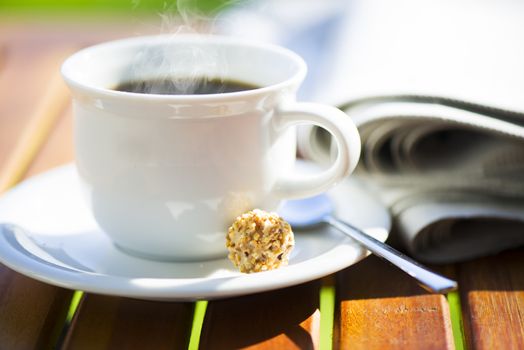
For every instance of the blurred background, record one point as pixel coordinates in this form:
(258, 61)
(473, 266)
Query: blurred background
(463, 49)
(97, 8)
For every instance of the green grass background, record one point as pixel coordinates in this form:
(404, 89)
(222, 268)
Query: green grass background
(94, 7)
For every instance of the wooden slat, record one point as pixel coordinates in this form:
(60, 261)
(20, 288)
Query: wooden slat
(492, 293)
(382, 308)
(31, 313)
(284, 319)
(105, 322)
(47, 109)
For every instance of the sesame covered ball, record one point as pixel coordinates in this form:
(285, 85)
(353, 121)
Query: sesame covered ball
(259, 241)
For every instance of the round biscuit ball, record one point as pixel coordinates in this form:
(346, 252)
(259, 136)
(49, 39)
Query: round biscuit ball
(259, 241)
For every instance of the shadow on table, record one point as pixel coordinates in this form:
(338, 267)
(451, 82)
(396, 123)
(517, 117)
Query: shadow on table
(279, 318)
(375, 278)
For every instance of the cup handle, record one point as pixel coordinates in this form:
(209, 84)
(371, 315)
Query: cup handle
(344, 132)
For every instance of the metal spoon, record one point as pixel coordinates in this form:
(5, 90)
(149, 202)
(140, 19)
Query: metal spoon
(317, 210)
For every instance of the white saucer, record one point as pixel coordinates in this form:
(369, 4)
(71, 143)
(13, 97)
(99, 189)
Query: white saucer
(54, 239)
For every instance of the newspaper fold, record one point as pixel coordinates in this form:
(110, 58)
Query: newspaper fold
(451, 172)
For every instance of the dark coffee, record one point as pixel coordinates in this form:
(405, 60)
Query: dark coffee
(184, 86)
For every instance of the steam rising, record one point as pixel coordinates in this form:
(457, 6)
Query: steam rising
(183, 66)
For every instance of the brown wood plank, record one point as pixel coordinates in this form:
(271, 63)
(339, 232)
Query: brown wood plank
(284, 319)
(492, 294)
(379, 307)
(105, 322)
(31, 313)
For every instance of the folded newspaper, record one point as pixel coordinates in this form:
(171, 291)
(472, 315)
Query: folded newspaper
(437, 91)
(452, 177)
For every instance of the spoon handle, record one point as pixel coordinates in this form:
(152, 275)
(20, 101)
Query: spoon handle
(427, 279)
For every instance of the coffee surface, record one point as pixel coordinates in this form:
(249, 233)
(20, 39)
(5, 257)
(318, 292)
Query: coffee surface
(184, 86)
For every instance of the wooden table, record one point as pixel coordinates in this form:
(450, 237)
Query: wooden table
(367, 306)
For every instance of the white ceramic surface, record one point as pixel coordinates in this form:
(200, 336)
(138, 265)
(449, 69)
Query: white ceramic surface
(189, 164)
(57, 241)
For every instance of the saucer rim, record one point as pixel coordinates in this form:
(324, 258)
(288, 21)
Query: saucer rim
(111, 285)
(341, 256)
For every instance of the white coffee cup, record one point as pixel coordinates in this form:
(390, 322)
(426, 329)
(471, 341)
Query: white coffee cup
(165, 175)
